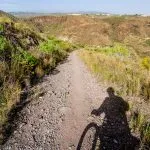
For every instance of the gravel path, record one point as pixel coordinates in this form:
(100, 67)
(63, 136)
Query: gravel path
(56, 120)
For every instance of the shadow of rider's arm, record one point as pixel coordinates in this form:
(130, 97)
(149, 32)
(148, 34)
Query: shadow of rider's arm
(100, 110)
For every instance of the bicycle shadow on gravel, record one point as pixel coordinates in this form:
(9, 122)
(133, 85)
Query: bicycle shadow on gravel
(114, 133)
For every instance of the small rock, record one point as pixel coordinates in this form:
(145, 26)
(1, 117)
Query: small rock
(115, 141)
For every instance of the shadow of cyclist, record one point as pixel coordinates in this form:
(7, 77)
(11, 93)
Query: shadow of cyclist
(114, 134)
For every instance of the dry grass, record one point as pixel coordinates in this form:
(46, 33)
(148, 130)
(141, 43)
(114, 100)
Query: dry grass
(10, 95)
(94, 30)
(129, 74)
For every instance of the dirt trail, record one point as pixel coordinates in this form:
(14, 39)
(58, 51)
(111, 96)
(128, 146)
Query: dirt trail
(56, 120)
(84, 96)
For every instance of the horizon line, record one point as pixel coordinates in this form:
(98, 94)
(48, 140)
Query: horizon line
(78, 12)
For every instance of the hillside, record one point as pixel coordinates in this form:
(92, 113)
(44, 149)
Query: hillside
(4, 14)
(25, 57)
(93, 30)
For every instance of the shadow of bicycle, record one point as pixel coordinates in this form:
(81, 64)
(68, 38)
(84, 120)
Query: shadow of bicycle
(114, 133)
(103, 142)
(89, 126)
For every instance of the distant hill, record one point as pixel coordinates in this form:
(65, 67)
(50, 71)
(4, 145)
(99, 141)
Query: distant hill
(97, 30)
(91, 29)
(33, 14)
(4, 14)
(28, 14)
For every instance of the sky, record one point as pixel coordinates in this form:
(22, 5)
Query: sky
(110, 6)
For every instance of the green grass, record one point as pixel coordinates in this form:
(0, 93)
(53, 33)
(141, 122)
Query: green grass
(4, 44)
(57, 49)
(1, 28)
(116, 50)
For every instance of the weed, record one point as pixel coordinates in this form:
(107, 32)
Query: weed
(140, 125)
(5, 19)
(4, 45)
(117, 50)
(147, 42)
(146, 63)
(1, 28)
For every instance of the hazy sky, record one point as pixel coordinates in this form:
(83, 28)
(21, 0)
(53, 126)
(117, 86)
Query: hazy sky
(112, 6)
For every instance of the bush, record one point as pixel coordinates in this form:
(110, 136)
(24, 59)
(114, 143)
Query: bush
(5, 19)
(48, 46)
(28, 59)
(4, 45)
(9, 96)
(145, 133)
(116, 50)
(139, 124)
(56, 49)
(146, 63)
(147, 42)
(1, 28)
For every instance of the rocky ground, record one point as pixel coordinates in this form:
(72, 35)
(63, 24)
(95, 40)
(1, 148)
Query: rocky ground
(56, 120)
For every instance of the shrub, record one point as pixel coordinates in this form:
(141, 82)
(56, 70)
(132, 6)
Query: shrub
(5, 19)
(115, 20)
(48, 46)
(146, 63)
(22, 26)
(4, 44)
(9, 96)
(147, 42)
(145, 133)
(28, 59)
(1, 28)
(139, 124)
(116, 50)
(56, 49)
(39, 71)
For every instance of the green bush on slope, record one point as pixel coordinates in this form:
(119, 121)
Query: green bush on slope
(4, 45)
(57, 49)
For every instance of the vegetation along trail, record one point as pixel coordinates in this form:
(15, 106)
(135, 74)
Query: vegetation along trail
(57, 119)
